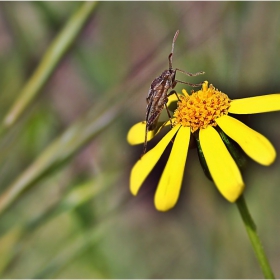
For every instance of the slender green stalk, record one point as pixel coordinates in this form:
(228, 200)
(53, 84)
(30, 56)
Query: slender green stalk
(50, 60)
(252, 232)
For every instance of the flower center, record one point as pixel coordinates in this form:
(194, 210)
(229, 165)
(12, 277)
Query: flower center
(201, 108)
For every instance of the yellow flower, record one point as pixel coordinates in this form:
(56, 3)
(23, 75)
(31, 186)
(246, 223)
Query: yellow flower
(202, 114)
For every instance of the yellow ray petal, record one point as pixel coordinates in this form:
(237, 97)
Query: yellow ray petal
(257, 104)
(136, 134)
(222, 167)
(170, 182)
(144, 166)
(254, 144)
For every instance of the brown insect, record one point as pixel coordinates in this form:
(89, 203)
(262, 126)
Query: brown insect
(158, 93)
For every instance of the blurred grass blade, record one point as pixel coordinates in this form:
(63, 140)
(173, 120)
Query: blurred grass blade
(75, 248)
(7, 245)
(50, 60)
(76, 197)
(12, 243)
(59, 151)
(81, 243)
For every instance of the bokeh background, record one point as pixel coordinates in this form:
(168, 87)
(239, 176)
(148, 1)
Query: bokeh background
(65, 206)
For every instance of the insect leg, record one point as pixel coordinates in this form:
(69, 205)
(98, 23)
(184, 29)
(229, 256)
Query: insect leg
(173, 92)
(169, 115)
(190, 84)
(145, 142)
(190, 74)
(168, 112)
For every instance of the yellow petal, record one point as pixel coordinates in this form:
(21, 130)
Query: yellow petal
(257, 104)
(144, 166)
(222, 167)
(254, 144)
(170, 182)
(136, 134)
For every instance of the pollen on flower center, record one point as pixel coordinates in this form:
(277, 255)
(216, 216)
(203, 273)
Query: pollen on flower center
(201, 108)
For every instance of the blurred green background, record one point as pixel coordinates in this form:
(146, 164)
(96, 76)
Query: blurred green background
(65, 206)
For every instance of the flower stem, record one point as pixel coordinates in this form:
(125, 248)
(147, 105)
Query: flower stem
(252, 232)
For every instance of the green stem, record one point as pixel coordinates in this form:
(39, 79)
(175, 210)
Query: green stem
(50, 60)
(252, 232)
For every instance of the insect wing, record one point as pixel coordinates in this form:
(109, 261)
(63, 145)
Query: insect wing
(155, 92)
(156, 84)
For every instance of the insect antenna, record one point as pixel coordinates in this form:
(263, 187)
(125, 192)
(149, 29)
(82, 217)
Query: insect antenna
(172, 49)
